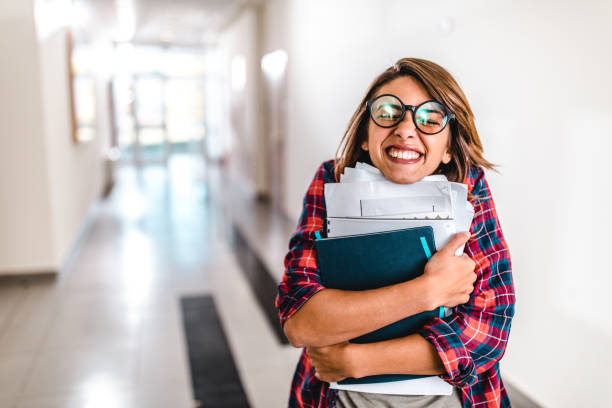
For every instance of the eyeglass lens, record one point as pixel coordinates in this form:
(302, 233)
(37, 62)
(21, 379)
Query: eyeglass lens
(429, 117)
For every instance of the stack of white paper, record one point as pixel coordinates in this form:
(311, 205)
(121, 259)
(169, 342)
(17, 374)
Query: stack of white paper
(365, 202)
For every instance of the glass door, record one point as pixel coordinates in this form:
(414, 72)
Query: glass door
(151, 143)
(159, 109)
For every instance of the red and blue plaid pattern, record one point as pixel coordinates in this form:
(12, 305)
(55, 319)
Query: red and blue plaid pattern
(470, 342)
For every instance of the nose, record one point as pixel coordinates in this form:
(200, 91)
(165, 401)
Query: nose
(406, 127)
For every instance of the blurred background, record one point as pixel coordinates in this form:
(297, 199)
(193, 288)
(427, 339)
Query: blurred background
(154, 157)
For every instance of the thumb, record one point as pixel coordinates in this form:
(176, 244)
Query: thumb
(456, 242)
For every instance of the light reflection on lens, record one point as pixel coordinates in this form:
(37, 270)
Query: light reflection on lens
(387, 111)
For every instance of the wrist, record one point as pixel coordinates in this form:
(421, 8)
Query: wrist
(373, 358)
(425, 294)
(359, 366)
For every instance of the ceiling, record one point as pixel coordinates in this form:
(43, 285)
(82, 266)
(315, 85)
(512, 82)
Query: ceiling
(189, 23)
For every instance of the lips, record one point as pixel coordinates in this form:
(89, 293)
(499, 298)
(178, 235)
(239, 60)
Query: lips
(404, 154)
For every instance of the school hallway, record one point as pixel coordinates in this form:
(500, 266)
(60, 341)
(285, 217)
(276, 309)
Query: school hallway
(155, 156)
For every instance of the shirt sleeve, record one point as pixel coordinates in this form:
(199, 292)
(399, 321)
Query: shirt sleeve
(474, 338)
(301, 279)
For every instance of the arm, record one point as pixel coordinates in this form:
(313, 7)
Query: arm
(474, 338)
(311, 315)
(446, 277)
(334, 363)
(333, 316)
(462, 345)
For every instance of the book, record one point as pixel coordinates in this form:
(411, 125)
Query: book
(371, 261)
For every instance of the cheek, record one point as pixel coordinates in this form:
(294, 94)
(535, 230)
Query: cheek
(375, 139)
(438, 147)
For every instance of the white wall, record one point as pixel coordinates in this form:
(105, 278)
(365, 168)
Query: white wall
(48, 182)
(242, 122)
(537, 77)
(256, 31)
(75, 172)
(275, 26)
(25, 214)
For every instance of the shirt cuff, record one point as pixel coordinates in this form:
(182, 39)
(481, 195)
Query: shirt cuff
(294, 301)
(459, 366)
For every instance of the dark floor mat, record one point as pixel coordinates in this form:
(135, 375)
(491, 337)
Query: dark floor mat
(214, 376)
(262, 284)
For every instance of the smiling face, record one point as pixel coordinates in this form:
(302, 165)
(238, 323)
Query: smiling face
(402, 153)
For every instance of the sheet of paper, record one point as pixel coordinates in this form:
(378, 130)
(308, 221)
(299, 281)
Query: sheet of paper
(352, 175)
(418, 386)
(369, 168)
(344, 199)
(364, 167)
(392, 206)
(408, 207)
(463, 210)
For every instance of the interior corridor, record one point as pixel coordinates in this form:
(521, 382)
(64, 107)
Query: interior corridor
(108, 332)
(155, 156)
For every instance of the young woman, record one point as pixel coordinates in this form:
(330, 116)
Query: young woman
(406, 143)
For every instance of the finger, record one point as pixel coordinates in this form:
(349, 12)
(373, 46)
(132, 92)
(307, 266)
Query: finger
(456, 242)
(469, 263)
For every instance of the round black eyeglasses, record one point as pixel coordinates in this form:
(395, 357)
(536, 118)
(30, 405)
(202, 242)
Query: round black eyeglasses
(429, 117)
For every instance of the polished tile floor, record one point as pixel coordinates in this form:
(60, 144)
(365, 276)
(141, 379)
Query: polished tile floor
(107, 332)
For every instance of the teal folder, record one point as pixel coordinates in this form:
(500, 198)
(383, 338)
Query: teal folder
(371, 261)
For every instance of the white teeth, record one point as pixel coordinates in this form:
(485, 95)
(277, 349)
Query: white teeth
(404, 154)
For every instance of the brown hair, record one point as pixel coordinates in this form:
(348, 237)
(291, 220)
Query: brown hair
(465, 145)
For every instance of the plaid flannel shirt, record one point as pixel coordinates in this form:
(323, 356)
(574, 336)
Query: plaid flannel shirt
(470, 342)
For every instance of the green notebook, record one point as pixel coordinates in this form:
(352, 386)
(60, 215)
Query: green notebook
(370, 261)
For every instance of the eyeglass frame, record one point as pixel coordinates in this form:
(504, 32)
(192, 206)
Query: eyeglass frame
(413, 109)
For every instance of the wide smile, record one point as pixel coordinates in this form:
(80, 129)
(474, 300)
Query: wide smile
(403, 155)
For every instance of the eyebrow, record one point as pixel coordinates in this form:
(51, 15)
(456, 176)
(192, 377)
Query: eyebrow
(391, 105)
(433, 110)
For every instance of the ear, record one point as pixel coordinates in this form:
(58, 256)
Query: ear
(446, 158)
(364, 145)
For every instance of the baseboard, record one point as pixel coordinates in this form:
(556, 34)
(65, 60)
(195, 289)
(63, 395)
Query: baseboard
(38, 275)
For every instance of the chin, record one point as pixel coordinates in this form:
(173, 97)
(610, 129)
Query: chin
(401, 179)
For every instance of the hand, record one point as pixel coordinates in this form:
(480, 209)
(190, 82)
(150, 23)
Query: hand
(332, 363)
(450, 278)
